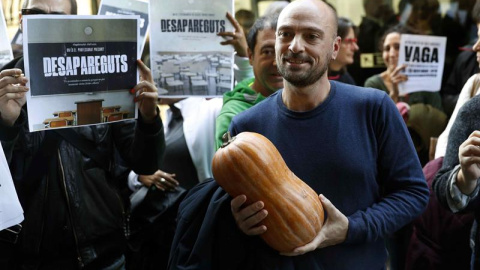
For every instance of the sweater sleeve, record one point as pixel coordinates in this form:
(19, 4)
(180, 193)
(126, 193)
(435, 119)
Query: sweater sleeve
(403, 190)
(221, 126)
(465, 123)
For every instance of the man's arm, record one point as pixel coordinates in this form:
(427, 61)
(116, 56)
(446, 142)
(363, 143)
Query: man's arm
(402, 186)
(143, 147)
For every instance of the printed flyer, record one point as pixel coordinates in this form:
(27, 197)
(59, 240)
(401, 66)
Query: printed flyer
(6, 54)
(424, 57)
(80, 69)
(186, 56)
(128, 7)
(11, 211)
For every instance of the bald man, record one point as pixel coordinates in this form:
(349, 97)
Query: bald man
(348, 143)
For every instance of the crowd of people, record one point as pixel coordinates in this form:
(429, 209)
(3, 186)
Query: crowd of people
(393, 200)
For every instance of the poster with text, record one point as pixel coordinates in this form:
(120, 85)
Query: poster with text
(5, 47)
(424, 57)
(80, 69)
(186, 57)
(128, 7)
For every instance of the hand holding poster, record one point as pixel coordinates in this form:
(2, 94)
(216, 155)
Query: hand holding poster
(80, 69)
(424, 57)
(186, 55)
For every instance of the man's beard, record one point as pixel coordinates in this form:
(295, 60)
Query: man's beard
(303, 79)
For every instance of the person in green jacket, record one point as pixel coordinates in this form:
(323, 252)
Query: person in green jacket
(267, 80)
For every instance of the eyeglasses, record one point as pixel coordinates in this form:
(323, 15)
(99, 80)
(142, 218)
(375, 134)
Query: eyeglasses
(36, 11)
(349, 41)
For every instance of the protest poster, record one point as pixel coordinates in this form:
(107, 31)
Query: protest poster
(128, 7)
(11, 212)
(6, 54)
(80, 69)
(424, 57)
(186, 56)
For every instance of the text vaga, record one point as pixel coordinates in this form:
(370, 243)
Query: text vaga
(87, 65)
(421, 54)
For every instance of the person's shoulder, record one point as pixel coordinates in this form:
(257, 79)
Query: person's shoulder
(259, 109)
(469, 108)
(358, 92)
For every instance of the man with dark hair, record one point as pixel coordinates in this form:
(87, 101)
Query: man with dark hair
(74, 218)
(267, 80)
(348, 143)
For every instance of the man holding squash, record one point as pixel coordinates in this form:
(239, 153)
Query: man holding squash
(346, 142)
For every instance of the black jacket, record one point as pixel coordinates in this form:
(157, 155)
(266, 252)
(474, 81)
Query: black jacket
(93, 205)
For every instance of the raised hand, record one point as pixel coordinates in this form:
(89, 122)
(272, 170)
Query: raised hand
(237, 38)
(147, 97)
(12, 95)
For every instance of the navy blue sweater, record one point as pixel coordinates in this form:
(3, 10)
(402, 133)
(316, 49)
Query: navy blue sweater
(355, 149)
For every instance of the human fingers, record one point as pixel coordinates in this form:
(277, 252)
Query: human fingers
(170, 178)
(248, 217)
(226, 34)
(234, 22)
(145, 72)
(144, 86)
(335, 228)
(12, 76)
(13, 91)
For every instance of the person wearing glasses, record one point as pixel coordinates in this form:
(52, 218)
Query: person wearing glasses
(337, 69)
(74, 218)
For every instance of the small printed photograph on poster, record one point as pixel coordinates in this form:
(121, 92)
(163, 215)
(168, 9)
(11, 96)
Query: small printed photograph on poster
(186, 56)
(6, 54)
(128, 7)
(424, 57)
(80, 69)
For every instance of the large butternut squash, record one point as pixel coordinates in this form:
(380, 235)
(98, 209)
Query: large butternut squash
(250, 164)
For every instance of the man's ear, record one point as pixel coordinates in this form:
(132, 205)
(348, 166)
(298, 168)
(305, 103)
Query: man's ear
(336, 47)
(250, 56)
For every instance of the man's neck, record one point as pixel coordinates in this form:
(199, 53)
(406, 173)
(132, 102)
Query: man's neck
(302, 99)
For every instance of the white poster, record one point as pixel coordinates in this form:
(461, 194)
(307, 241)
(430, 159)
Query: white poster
(80, 69)
(186, 56)
(11, 212)
(6, 54)
(128, 7)
(424, 57)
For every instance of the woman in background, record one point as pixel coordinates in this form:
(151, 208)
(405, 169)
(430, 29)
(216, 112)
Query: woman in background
(337, 69)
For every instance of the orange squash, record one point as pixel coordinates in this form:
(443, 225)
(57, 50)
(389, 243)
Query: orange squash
(250, 164)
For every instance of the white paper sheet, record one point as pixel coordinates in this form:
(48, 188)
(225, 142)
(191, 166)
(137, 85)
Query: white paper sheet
(6, 54)
(186, 56)
(11, 211)
(424, 57)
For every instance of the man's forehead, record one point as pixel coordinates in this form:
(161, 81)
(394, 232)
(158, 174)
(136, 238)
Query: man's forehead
(310, 15)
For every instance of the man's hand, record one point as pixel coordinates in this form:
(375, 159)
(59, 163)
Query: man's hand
(12, 95)
(333, 232)
(238, 40)
(247, 218)
(147, 97)
(162, 180)
(469, 157)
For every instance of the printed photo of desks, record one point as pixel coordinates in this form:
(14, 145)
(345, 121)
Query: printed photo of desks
(87, 112)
